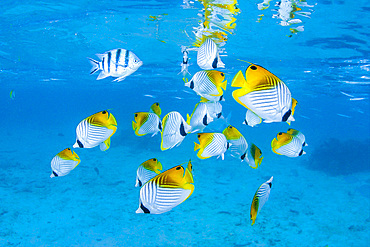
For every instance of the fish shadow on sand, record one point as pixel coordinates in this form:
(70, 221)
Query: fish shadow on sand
(336, 157)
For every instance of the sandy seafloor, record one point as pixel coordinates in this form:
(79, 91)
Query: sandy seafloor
(95, 204)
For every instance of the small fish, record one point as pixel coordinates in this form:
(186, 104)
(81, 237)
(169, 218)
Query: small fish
(238, 143)
(214, 108)
(208, 84)
(200, 117)
(12, 94)
(288, 145)
(185, 61)
(251, 118)
(166, 190)
(147, 170)
(155, 108)
(64, 162)
(208, 56)
(264, 94)
(260, 198)
(253, 156)
(211, 144)
(96, 130)
(146, 123)
(174, 130)
(116, 63)
(298, 134)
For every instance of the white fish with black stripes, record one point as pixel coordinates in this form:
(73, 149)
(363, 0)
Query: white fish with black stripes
(174, 130)
(211, 144)
(200, 117)
(116, 63)
(96, 130)
(208, 56)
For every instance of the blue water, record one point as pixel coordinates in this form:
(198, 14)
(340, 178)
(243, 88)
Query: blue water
(319, 199)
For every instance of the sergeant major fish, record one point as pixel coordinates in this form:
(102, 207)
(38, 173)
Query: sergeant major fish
(116, 63)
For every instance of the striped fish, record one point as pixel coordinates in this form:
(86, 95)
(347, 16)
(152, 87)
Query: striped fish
(147, 170)
(116, 63)
(64, 162)
(208, 84)
(214, 108)
(288, 145)
(238, 143)
(174, 130)
(208, 56)
(94, 130)
(253, 156)
(251, 118)
(298, 134)
(211, 144)
(264, 94)
(166, 190)
(146, 123)
(260, 198)
(200, 117)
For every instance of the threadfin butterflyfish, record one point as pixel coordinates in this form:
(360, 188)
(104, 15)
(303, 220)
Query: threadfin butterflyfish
(146, 123)
(174, 130)
(251, 118)
(166, 190)
(155, 108)
(211, 144)
(260, 198)
(116, 63)
(208, 84)
(239, 144)
(214, 108)
(147, 170)
(253, 156)
(298, 134)
(288, 145)
(200, 117)
(64, 162)
(263, 93)
(208, 56)
(96, 129)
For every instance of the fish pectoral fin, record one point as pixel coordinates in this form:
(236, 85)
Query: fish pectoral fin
(120, 78)
(239, 80)
(102, 75)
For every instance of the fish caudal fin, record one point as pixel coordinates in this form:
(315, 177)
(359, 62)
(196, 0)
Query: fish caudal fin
(196, 146)
(239, 80)
(95, 66)
(104, 146)
(223, 85)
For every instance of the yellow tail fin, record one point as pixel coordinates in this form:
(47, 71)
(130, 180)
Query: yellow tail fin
(223, 85)
(239, 80)
(196, 146)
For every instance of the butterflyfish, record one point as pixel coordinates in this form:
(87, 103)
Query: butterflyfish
(288, 145)
(96, 130)
(238, 143)
(174, 130)
(260, 198)
(298, 134)
(12, 94)
(211, 144)
(251, 118)
(116, 63)
(147, 170)
(264, 94)
(64, 162)
(146, 123)
(200, 118)
(208, 84)
(208, 56)
(214, 108)
(253, 156)
(166, 190)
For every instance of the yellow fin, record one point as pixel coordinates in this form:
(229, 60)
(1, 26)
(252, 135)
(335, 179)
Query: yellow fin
(188, 119)
(203, 100)
(223, 85)
(239, 80)
(196, 146)
(134, 125)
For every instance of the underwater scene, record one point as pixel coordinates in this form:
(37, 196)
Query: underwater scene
(185, 123)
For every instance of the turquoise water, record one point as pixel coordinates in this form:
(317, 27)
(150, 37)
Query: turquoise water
(319, 199)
